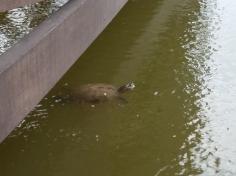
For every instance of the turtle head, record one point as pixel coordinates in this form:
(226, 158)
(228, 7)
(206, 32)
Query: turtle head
(126, 87)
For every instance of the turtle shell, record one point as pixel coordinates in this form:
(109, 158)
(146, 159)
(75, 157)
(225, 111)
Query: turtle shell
(96, 92)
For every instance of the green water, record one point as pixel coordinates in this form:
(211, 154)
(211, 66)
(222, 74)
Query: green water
(179, 120)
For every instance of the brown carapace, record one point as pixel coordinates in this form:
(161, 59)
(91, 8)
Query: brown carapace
(95, 93)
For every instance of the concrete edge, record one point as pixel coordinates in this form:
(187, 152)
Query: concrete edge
(33, 66)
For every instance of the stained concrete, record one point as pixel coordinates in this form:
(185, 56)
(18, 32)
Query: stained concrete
(33, 66)
(11, 4)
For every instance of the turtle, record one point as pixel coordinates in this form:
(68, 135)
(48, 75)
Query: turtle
(100, 92)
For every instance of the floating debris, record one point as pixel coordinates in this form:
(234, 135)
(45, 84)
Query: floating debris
(97, 137)
(155, 93)
(161, 170)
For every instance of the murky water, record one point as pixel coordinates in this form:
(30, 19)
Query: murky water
(180, 119)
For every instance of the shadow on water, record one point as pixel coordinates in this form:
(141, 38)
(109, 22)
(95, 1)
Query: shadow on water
(168, 49)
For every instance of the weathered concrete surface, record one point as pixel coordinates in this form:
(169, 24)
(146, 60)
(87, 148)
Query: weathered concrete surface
(10, 4)
(34, 65)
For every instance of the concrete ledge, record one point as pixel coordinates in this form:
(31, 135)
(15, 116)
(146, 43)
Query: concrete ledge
(11, 4)
(34, 65)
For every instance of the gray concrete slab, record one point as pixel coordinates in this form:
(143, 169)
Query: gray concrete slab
(11, 4)
(33, 66)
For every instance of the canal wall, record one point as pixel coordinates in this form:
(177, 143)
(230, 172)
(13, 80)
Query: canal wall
(32, 67)
(10, 4)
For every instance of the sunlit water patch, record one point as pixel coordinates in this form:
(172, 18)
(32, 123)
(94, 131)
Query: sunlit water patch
(209, 43)
(16, 23)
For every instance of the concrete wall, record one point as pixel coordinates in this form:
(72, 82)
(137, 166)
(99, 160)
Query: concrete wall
(34, 65)
(10, 4)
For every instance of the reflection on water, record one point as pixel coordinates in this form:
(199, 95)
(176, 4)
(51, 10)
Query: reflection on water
(208, 44)
(178, 121)
(16, 23)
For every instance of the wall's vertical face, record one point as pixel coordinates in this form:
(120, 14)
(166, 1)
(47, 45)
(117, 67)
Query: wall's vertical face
(33, 66)
(10, 4)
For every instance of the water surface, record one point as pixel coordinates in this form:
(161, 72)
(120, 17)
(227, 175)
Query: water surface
(16, 23)
(180, 119)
